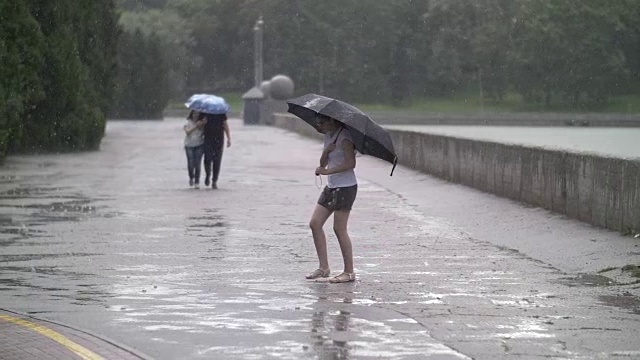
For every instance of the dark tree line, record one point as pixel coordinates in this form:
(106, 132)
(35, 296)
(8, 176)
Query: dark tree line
(548, 51)
(57, 72)
(141, 89)
(65, 64)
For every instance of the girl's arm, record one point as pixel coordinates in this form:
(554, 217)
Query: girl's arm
(188, 130)
(199, 125)
(227, 132)
(324, 159)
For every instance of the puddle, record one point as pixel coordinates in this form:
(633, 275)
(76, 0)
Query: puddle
(8, 179)
(627, 302)
(75, 206)
(43, 270)
(15, 233)
(30, 257)
(588, 280)
(34, 192)
(209, 220)
(210, 225)
(34, 206)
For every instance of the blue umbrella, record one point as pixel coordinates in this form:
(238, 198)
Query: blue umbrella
(209, 104)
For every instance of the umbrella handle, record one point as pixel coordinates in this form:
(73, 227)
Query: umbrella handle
(395, 162)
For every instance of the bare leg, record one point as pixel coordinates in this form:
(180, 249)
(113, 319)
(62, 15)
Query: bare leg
(319, 217)
(340, 220)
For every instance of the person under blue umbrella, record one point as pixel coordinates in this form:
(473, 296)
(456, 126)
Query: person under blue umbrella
(214, 109)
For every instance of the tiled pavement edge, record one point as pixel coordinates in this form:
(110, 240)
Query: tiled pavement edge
(24, 337)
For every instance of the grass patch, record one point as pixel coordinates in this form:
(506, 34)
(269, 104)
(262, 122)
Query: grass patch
(234, 99)
(512, 103)
(457, 104)
(627, 104)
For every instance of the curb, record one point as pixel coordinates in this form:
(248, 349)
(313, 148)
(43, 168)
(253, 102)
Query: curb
(75, 328)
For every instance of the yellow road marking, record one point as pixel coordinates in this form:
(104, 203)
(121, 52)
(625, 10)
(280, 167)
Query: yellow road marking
(80, 350)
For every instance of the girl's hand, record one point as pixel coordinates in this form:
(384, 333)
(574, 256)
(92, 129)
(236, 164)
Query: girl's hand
(321, 171)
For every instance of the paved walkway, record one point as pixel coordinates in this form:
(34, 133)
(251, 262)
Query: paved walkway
(116, 243)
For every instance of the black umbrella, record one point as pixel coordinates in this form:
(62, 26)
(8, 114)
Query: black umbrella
(368, 137)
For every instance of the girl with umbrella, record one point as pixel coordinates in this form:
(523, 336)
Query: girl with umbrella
(346, 129)
(338, 162)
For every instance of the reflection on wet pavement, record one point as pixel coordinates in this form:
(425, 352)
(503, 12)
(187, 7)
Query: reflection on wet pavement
(199, 274)
(625, 301)
(587, 280)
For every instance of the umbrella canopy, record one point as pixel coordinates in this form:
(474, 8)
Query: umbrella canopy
(209, 104)
(368, 137)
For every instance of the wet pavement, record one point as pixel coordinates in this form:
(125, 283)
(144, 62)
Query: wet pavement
(116, 243)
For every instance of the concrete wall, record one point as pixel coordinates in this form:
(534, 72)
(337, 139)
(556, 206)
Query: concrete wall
(598, 190)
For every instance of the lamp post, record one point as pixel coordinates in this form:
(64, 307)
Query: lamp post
(257, 32)
(253, 99)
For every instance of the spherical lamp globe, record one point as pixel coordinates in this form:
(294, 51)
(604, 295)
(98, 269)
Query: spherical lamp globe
(281, 87)
(265, 87)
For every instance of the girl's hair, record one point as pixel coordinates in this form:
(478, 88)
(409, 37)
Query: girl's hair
(200, 116)
(322, 117)
(339, 124)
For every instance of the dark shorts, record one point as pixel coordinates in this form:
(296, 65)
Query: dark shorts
(337, 199)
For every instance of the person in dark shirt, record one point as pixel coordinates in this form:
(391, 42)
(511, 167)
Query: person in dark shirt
(215, 129)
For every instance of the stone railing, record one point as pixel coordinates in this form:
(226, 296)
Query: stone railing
(602, 191)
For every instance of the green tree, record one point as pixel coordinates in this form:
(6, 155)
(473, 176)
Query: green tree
(367, 50)
(21, 52)
(564, 49)
(141, 90)
(409, 50)
(177, 43)
(452, 62)
(492, 47)
(78, 63)
(628, 40)
(154, 91)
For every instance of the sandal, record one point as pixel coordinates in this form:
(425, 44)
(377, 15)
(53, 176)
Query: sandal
(343, 278)
(318, 273)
